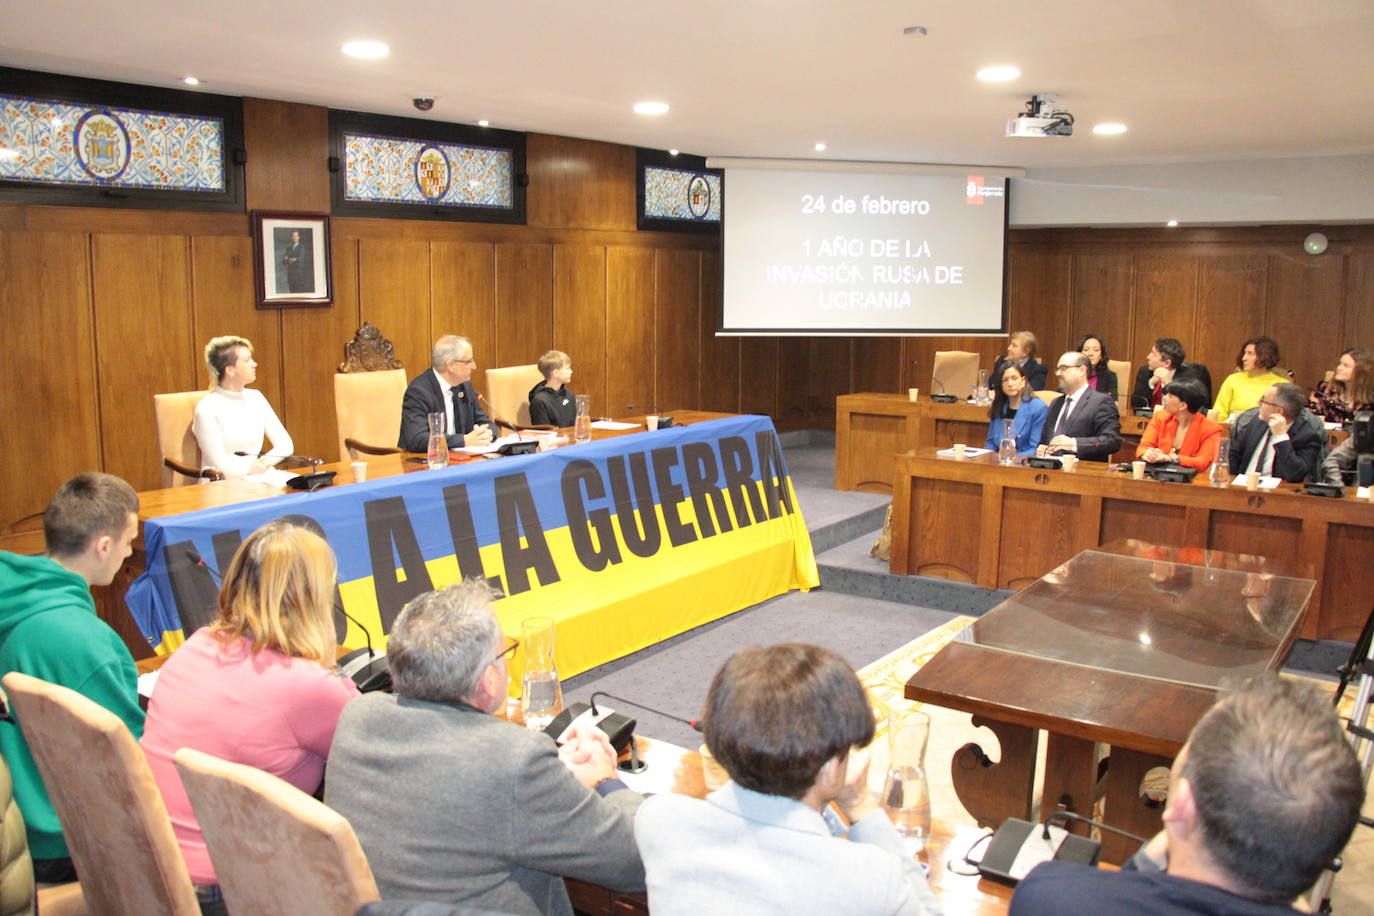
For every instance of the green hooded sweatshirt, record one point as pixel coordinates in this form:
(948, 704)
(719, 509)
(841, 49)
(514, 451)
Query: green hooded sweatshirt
(49, 629)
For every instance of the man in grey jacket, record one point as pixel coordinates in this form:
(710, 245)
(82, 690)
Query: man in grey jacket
(453, 804)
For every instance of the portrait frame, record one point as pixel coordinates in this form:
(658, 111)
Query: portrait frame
(291, 261)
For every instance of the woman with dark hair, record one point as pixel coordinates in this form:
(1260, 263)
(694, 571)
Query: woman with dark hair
(1254, 375)
(257, 686)
(1016, 401)
(1350, 388)
(1100, 375)
(1180, 433)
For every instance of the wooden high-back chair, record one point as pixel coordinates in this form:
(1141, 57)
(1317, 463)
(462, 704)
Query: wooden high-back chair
(176, 442)
(368, 389)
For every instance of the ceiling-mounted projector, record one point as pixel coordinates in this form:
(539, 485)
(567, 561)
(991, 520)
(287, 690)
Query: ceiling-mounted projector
(1041, 119)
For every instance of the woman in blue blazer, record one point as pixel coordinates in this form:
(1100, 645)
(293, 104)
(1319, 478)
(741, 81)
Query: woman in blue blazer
(1016, 401)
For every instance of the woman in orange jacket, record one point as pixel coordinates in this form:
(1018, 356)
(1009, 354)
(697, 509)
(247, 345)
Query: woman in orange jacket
(1180, 433)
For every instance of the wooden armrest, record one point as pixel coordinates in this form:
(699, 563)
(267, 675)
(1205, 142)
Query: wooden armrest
(370, 449)
(207, 473)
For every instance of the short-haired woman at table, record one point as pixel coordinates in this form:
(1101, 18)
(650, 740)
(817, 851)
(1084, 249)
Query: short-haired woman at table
(1254, 375)
(1016, 401)
(1021, 349)
(1181, 433)
(1350, 388)
(233, 417)
(257, 686)
(1100, 375)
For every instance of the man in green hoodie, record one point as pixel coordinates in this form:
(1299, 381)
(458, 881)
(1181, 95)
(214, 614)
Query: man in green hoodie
(49, 629)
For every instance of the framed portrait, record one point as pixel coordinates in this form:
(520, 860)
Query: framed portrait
(291, 259)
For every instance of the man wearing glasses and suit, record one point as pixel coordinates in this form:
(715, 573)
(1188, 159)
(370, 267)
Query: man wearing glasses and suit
(1082, 420)
(446, 388)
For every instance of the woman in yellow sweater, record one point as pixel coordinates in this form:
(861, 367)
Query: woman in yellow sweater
(1243, 389)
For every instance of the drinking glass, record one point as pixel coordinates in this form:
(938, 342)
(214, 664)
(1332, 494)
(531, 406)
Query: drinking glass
(582, 426)
(437, 454)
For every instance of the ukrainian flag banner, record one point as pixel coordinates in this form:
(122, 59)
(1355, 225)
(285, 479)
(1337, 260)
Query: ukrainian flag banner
(624, 542)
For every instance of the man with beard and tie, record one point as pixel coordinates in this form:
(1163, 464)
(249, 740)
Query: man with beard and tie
(1082, 420)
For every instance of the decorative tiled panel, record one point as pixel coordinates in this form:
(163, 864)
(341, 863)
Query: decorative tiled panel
(67, 143)
(681, 194)
(397, 170)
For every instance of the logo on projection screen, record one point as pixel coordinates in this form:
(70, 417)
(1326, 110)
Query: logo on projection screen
(975, 190)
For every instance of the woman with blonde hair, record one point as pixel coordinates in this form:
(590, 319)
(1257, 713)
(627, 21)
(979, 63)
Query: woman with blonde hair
(1350, 388)
(234, 418)
(257, 686)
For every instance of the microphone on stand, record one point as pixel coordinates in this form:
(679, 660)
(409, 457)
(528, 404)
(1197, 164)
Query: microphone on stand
(311, 481)
(491, 412)
(314, 462)
(690, 723)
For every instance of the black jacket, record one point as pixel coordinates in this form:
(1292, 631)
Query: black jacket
(424, 397)
(1140, 394)
(1095, 423)
(1035, 372)
(1107, 383)
(552, 408)
(1294, 458)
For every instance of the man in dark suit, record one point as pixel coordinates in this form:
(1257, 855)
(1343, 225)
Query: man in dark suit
(1082, 420)
(445, 389)
(1275, 438)
(1164, 364)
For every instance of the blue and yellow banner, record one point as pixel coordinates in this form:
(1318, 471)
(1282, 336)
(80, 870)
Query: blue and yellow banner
(623, 542)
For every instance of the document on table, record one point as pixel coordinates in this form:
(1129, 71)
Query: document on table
(969, 452)
(273, 477)
(487, 449)
(1265, 483)
(613, 424)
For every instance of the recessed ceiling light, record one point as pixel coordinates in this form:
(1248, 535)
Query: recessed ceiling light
(672, 152)
(366, 49)
(191, 81)
(484, 123)
(1172, 223)
(651, 108)
(1109, 128)
(999, 73)
(820, 147)
(918, 31)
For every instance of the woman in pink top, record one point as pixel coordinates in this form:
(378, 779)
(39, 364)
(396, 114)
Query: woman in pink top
(255, 687)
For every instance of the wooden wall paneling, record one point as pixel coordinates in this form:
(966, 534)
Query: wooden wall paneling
(720, 356)
(462, 296)
(312, 347)
(1303, 313)
(524, 303)
(143, 345)
(677, 329)
(1040, 285)
(759, 376)
(288, 156)
(579, 317)
(877, 363)
(579, 183)
(1230, 298)
(223, 301)
(1166, 295)
(630, 332)
(45, 308)
(1358, 330)
(1103, 303)
(829, 365)
(393, 294)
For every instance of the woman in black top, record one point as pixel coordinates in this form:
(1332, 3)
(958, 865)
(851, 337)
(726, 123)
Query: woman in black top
(1100, 375)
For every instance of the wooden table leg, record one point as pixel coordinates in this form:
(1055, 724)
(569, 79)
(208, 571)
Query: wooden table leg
(993, 792)
(1125, 808)
(1070, 779)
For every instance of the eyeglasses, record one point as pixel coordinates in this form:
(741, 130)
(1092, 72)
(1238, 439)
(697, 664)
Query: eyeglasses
(514, 644)
(470, 361)
(1065, 368)
(1269, 403)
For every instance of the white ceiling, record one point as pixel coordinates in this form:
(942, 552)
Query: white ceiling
(1193, 79)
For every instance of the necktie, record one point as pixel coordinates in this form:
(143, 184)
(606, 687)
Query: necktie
(457, 394)
(1264, 452)
(1157, 396)
(1063, 416)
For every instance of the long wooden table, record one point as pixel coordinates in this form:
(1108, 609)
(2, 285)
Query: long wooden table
(1124, 645)
(976, 521)
(872, 428)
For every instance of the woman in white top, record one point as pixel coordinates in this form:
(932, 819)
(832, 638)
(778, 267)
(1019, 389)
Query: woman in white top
(232, 418)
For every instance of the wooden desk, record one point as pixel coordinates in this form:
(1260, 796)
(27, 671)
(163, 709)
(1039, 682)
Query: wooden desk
(872, 429)
(962, 894)
(1124, 645)
(1004, 527)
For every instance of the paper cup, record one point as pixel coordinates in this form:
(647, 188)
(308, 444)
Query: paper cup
(958, 450)
(1138, 470)
(651, 421)
(359, 471)
(1070, 461)
(913, 394)
(1252, 480)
